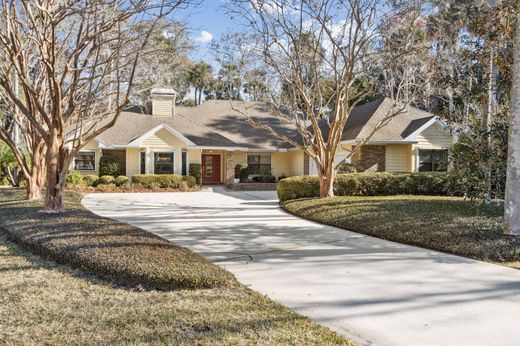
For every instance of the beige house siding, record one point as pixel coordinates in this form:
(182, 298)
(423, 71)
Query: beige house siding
(239, 157)
(194, 156)
(434, 138)
(431, 138)
(297, 162)
(133, 161)
(281, 164)
(163, 106)
(163, 141)
(399, 158)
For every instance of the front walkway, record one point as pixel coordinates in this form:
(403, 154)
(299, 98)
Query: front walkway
(371, 290)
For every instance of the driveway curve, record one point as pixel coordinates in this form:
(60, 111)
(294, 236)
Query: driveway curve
(373, 291)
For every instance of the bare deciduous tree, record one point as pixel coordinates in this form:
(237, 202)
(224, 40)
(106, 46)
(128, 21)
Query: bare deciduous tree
(329, 57)
(76, 63)
(27, 146)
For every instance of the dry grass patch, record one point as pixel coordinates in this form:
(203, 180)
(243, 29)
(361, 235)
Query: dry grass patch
(446, 224)
(111, 249)
(46, 303)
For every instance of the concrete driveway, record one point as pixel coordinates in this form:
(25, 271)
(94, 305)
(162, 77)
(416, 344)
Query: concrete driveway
(371, 290)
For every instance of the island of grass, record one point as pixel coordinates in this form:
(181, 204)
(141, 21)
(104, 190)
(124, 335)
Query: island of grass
(123, 285)
(447, 224)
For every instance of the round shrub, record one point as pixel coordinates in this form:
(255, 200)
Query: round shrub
(298, 187)
(241, 172)
(190, 181)
(195, 170)
(75, 179)
(90, 180)
(105, 179)
(121, 181)
(109, 165)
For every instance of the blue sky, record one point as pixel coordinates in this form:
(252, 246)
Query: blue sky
(207, 21)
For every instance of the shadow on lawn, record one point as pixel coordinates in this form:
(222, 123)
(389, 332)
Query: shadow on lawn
(118, 252)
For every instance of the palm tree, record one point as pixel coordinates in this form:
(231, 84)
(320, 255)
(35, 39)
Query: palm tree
(199, 76)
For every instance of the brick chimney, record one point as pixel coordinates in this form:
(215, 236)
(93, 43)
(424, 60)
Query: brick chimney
(163, 102)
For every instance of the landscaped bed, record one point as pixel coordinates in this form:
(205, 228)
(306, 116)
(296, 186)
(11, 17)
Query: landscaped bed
(46, 303)
(447, 224)
(102, 300)
(123, 253)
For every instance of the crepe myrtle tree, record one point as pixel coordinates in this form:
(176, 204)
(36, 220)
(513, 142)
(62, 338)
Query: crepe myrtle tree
(75, 62)
(328, 57)
(26, 145)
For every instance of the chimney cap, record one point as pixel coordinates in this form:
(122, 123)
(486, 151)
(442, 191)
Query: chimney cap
(164, 92)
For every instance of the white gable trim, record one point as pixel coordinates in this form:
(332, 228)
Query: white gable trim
(136, 143)
(435, 120)
(102, 144)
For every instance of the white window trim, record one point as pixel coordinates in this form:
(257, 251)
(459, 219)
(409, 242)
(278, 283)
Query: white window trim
(431, 149)
(95, 161)
(163, 151)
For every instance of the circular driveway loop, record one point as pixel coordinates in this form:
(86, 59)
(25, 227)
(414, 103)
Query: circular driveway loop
(370, 290)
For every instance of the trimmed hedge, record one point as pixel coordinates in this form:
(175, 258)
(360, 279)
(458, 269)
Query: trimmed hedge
(122, 253)
(264, 179)
(372, 184)
(109, 165)
(195, 170)
(165, 181)
(298, 187)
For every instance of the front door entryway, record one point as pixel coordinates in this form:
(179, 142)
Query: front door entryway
(210, 169)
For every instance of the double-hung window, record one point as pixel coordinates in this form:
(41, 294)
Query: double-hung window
(433, 160)
(85, 161)
(164, 163)
(259, 164)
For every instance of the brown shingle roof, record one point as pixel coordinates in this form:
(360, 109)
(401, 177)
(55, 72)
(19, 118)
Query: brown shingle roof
(216, 124)
(363, 119)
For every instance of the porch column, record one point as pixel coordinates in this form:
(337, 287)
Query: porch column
(229, 172)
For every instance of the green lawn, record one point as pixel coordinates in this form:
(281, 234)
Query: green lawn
(43, 302)
(445, 224)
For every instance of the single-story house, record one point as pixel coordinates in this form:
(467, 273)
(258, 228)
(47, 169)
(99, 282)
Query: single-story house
(168, 138)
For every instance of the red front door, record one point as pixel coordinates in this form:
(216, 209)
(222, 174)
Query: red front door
(210, 169)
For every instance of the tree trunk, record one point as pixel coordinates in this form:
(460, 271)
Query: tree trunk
(512, 204)
(327, 179)
(195, 96)
(36, 179)
(488, 117)
(326, 186)
(200, 96)
(55, 164)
